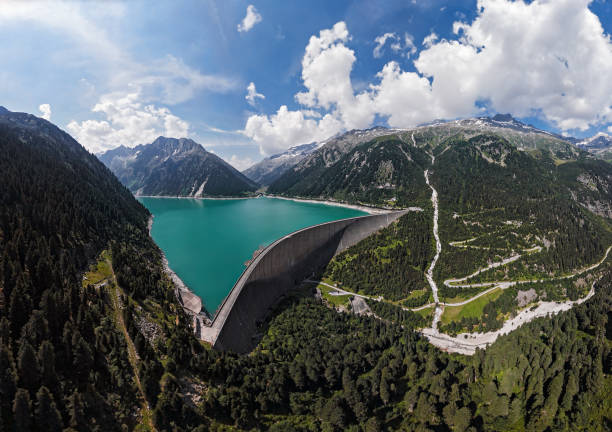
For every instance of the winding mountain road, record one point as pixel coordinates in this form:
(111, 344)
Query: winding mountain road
(466, 343)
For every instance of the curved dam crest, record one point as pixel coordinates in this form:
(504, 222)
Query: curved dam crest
(207, 241)
(279, 268)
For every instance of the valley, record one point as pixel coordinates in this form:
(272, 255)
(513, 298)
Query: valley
(330, 216)
(200, 237)
(448, 317)
(511, 249)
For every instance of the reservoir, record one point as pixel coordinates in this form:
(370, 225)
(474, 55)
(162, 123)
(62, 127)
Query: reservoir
(207, 241)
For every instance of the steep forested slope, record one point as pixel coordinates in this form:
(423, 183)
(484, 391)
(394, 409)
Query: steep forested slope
(71, 348)
(317, 370)
(385, 171)
(63, 360)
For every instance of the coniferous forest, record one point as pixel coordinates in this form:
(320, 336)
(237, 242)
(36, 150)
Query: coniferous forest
(71, 359)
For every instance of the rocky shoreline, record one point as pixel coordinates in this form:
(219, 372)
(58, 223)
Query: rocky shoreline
(192, 304)
(195, 197)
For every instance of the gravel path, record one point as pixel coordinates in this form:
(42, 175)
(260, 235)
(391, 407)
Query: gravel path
(466, 343)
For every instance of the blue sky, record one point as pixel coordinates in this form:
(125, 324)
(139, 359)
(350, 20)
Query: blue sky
(117, 72)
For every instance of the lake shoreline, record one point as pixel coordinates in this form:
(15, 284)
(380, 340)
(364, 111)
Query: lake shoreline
(210, 240)
(363, 208)
(194, 198)
(180, 286)
(360, 207)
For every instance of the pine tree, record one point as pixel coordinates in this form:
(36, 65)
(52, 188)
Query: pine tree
(29, 374)
(19, 309)
(5, 331)
(76, 411)
(8, 381)
(22, 411)
(46, 360)
(47, 416)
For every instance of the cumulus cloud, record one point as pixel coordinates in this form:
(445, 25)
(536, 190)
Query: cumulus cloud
(550, 59)
(252, 94)
(326, 69)
(273, 133)
(252, 17)
(126, 122)
(409, 46)
(240, 163)
(45, 111)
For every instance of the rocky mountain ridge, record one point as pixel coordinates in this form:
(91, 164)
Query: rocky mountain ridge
(175, 167)
(269, 169)
(599, 145)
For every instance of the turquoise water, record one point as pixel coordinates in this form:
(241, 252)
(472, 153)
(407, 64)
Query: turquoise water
(207, 242)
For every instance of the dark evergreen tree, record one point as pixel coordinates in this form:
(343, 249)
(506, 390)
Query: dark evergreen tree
(22, 411)
(47, 416)
(29, 371)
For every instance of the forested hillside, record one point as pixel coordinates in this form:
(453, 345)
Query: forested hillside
(92, 337)
(387, 171)
(64, 362)
(318, 370)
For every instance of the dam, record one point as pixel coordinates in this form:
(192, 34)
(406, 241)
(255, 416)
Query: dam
(207, 242)
(277, 269)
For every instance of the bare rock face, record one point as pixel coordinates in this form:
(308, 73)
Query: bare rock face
(271, 168)
(175, 167)
(523, 298)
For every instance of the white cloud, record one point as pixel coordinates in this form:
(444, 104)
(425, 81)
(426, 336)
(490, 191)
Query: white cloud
(252, 94)
(170, 81)
(69, 18)
(409, 46)
(380, 43)
(45, 111)
(403, 97)
(240, 163)
(326, 69)
(274, 133)
(166, 80)
(252, 17)
(550, 59)
(127, 122)
(311, 113)
(430, 40)
(405, 47)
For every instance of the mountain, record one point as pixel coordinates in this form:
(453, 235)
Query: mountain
(271, 168)
(371, 166)
(65, 343)
(597, 142)
(599, 145)
(175, 167)
(93, 338)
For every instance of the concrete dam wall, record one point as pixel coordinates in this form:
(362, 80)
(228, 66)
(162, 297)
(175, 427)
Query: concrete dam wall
(279, 268)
